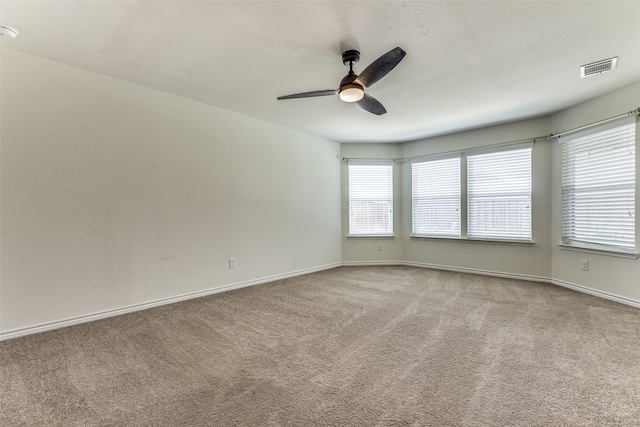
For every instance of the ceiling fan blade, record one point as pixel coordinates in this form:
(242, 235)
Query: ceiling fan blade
(371, 104)
(380, 67)
(310, 94)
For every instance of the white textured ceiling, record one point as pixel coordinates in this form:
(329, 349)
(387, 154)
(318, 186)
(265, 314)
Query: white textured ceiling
(468, 64)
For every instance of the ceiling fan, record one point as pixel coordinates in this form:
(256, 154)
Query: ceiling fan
(352, 85)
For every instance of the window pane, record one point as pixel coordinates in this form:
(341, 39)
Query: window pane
(598, 187)
(499, 195)
(370, 199)
(435, 198)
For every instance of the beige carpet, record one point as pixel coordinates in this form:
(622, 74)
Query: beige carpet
(366, 346)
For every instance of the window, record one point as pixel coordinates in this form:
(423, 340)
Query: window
(370, 200)
(598, 187)
(435, 197)
(497, 199)
(499, 195)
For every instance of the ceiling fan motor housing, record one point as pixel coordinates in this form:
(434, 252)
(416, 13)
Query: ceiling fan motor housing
(348, 79)
(350, 57)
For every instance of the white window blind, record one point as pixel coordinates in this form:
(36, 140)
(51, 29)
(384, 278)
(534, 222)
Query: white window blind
(499, 195)
(598, 187)
(370, 199)
(435, 197)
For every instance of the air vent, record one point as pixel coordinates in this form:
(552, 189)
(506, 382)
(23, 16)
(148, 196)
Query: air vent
(598, 67)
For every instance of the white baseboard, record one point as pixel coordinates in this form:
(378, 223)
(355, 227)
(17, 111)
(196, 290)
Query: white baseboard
(480, 272)
(579, 288)
(155, 303)
(601, 294)
(369, 263)
(164, 301)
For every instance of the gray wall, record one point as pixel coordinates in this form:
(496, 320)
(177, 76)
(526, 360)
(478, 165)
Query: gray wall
(614, 275)
(364, 250)
(532, 261)
(115, 195)
(544, 260)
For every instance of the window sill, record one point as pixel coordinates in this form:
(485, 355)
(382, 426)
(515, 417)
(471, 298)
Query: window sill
(370, 236)
(467, 240)
(608, 252)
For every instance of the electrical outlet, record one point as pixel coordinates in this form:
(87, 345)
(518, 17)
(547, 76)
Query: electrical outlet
(232, 263)
(585, 264)
(380, 247)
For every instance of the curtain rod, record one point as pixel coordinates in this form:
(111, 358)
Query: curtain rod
(404, 159)
(537, 138)
(373, 159)
(464, 150)
(610, 119)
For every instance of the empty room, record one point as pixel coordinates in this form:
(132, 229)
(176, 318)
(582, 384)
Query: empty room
(319, 213)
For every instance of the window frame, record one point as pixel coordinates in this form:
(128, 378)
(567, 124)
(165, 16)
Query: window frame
(568, 239)
(390, 200)
(438, 159)
(464, 208)
(506, 195)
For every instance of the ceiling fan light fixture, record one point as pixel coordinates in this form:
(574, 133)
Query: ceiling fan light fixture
(351, 92)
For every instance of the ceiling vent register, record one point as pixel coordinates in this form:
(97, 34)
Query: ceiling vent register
(598, 67)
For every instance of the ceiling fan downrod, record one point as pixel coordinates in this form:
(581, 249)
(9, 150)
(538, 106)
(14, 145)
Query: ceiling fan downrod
(349, 91)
